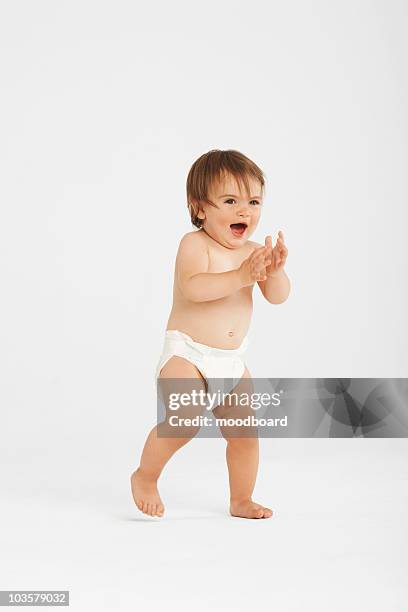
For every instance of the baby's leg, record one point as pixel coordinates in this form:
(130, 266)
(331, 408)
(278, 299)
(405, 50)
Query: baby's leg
(242, 457)
(158, 450)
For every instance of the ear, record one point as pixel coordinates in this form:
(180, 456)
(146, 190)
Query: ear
(201, 213)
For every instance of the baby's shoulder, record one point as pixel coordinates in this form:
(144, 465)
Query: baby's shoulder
(195, 237)
(192, 243)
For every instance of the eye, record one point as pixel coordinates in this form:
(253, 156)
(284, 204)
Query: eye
(256, 202)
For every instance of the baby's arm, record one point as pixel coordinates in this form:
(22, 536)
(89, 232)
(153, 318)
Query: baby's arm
(198, 285)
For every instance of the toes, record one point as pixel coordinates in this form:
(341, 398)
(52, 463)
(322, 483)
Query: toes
(251, 510)
(151, 509)
(267, 513)
(256, 511)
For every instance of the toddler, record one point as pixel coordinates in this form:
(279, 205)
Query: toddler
(216, 269)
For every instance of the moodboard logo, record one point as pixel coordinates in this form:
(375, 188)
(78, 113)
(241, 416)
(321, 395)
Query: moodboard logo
(283, 407)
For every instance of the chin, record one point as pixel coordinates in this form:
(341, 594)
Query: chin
(237, 243)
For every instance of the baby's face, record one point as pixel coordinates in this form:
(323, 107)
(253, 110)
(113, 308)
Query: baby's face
(236, 216)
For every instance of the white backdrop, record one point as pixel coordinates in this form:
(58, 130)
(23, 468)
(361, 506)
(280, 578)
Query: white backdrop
(105, 106)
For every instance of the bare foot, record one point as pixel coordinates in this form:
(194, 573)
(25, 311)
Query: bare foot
(249, 509)
(146, 495)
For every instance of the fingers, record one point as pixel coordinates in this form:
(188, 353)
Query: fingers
(257, 266)
(283, 251)
(281, 242)
(281, 239)
(259, 254)
(258, 263)
(268, 256)
(258, 273)
(280, 248)
(256, 252)
(268, 249)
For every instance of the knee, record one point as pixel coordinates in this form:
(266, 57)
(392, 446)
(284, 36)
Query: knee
(165, 430)
(242, 444)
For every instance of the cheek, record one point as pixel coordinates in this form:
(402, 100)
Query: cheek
(224, 217)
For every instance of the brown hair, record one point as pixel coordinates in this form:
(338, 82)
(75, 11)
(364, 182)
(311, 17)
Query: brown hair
(212, 166)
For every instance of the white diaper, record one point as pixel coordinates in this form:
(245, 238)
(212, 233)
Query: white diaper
(213, 363)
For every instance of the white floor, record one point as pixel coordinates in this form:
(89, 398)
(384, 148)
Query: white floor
(337, 541)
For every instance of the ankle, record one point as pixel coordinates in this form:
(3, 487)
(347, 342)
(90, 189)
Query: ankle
(147, 475)
(240, 500)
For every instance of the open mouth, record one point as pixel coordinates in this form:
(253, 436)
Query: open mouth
(238, 229)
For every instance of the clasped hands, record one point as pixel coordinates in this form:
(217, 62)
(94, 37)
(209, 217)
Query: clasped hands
(265, 262)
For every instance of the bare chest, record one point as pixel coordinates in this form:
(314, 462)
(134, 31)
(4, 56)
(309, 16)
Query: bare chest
(223, 260)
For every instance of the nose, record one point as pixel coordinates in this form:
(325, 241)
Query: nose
(243, 211)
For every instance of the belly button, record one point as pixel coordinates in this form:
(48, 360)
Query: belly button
(230, 333)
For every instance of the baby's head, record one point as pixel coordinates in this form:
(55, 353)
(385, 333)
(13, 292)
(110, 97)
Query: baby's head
(225, 192)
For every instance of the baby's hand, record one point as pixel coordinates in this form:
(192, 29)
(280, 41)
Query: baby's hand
(277, 255)
(253, 268)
